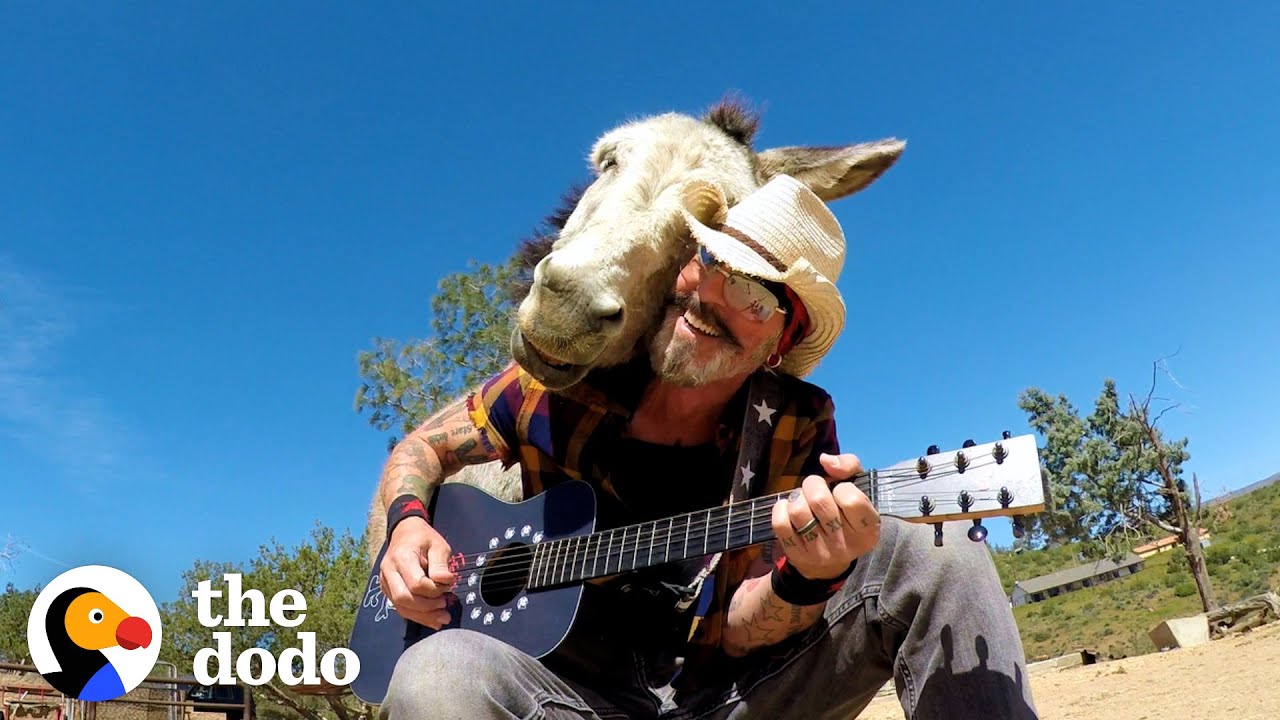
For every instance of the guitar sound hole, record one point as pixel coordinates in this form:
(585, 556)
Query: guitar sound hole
(506, 575)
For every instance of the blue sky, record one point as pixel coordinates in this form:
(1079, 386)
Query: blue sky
(207, 212)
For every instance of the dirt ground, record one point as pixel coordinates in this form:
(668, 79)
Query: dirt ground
(1231, 679)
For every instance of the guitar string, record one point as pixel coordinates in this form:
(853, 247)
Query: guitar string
(565, 552)
(520, 570)
(562, 554)
(895, 479)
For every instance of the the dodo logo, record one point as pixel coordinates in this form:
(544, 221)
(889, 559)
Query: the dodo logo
(94, 633)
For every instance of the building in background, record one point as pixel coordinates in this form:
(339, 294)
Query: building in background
(1166, 544)
(1073, 578)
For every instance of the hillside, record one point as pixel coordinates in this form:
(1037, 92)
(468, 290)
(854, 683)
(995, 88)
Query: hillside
(1227, 497)
(1113, 619)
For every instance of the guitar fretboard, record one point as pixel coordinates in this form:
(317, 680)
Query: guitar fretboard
(609, 552)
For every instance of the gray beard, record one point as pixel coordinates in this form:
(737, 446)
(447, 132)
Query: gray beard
(678, 366)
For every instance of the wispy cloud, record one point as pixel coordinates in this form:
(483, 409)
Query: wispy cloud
(42, 406)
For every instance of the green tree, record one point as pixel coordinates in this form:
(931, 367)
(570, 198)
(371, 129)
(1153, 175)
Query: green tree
(1072, 509)
(15, 608)
(403, 383)
(330, 571)
(1114, 477)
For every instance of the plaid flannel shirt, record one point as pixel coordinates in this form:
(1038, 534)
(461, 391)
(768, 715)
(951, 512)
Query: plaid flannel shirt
(561, 435)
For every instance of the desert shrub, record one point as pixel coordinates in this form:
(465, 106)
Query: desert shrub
(1220, 554)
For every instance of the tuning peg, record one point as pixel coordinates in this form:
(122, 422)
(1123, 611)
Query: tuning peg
(1018, 529)
(977, 533)
(937, 534)
(969, 443)
(933, 450)
(1005, 435)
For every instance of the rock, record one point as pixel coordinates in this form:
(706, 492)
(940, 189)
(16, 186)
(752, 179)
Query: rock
(1181, 632)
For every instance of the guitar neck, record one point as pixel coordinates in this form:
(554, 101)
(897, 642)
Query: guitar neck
(1000, 478)
(657, 542)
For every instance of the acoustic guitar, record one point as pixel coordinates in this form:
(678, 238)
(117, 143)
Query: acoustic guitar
(521, 566)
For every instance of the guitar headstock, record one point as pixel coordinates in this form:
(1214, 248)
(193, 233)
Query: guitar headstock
(975, 481)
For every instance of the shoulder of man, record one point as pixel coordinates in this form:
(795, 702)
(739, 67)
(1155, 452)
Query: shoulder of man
(500, 406)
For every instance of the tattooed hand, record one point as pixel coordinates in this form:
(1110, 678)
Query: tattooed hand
(846, 526)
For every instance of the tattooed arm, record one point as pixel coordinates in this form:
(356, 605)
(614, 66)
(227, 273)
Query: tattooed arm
(757, 617)
(439, 448)
(844, 526)
(415, 572)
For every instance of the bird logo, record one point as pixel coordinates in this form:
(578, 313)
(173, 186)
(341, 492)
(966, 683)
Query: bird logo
(94, 633)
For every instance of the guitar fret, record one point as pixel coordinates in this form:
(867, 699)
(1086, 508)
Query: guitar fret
(553, 556)
(706, 533)
(571, 559)
(652, 537)
(688, 522)
(728, 527)
(551, 562)
(585, 552)
(635, 554)
(570, 556)
(557, 552)
(533, 567)
(596, 557)
(541, 553)
(622, 548)
(751, 526)
(666, 553)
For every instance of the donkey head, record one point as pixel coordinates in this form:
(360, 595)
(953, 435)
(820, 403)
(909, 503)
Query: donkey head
(611, 270)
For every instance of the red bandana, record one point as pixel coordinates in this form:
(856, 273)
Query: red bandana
(797, 327)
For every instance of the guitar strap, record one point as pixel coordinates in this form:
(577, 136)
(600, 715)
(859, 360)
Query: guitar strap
(764, 398)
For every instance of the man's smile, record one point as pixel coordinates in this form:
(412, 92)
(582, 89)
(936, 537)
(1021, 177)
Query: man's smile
(699, 324)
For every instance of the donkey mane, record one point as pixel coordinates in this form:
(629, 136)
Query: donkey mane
(538, 244)
(735, 118)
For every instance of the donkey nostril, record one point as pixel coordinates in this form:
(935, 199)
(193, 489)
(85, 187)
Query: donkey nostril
(608, 311)
(554, 276)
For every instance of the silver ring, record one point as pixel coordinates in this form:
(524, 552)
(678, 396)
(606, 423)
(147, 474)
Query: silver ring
(808, 526)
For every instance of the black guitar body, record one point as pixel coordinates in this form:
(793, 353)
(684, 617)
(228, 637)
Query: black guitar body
(492, 542)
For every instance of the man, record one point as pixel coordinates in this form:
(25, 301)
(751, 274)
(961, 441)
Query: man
(809, 626)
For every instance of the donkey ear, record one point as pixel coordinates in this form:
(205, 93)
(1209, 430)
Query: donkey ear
(832, 172)
(704, 201)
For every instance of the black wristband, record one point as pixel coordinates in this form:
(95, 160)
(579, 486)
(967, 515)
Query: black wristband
(403, 507)
(792, 587)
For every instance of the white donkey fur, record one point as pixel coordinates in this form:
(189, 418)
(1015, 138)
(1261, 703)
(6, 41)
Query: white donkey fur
(610, 272)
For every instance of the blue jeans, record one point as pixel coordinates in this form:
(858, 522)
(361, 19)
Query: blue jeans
(934, 620)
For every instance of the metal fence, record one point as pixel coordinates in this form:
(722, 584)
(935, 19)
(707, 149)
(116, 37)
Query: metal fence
(24, 695)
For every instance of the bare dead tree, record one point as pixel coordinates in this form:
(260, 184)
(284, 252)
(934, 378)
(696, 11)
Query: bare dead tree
(1186, 513)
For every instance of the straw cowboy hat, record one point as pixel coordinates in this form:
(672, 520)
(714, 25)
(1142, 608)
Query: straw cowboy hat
(784, 233)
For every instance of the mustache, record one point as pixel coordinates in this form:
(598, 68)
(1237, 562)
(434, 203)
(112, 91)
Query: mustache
(689, 302)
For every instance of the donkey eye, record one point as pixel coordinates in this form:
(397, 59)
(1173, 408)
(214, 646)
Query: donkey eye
(610, 161)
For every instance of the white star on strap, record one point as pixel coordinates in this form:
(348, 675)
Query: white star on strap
(747, 474)
(766, 412)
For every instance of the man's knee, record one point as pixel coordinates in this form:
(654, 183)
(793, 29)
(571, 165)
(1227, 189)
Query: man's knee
(907, 568)
(454, 669)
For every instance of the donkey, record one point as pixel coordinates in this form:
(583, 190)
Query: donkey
(604, 272)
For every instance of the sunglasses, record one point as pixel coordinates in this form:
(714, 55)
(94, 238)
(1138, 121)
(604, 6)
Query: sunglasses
(743, 293)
